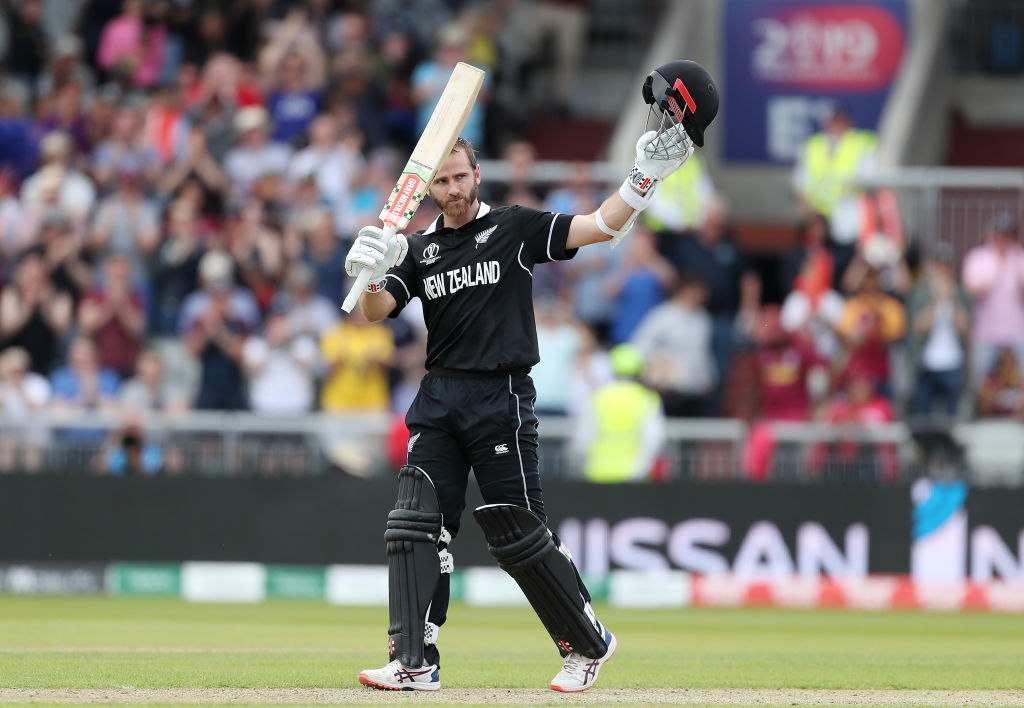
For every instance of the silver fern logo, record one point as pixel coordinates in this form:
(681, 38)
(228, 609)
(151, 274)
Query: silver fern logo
(483, 236)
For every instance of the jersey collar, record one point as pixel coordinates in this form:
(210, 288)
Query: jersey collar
(485, 209)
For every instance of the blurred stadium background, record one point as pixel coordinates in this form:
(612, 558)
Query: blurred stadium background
(185, 410)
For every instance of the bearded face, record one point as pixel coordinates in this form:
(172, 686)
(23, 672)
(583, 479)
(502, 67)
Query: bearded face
(455, 206)
(455, 189)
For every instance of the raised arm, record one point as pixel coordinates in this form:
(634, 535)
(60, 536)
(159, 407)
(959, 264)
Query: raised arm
(657, 156)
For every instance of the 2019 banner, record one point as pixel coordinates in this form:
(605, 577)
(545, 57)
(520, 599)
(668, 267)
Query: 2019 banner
(787, 62)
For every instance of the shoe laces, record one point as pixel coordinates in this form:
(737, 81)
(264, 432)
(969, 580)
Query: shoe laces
(574, 664)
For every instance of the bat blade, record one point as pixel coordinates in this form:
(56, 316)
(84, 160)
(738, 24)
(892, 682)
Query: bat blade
(435, 144)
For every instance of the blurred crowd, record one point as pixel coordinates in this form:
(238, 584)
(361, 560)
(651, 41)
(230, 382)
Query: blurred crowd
(180, 181)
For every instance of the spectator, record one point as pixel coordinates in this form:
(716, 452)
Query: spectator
(65, 67)
(871, 323)
(790, 376)
(255, 155)
(207, 35)
(257, 248)
(519, 186)
(939, 312)
(993, 275)
(150, 390)
(126, 453)
(294, 33)
(585, 277)
(307, 313)
(675, 341)
(27, 44)
(1001, 394)
(885, 255)
(34, 314)
(566, 22)
(280, 368)
(431, 76)
(14, 238)
(814, 244)
(812, 308)
(396, 62)
(294, 101)
(176, 267)
(827, 167)
(559, 342)
(23, 392)
(214, 323)
(127, 223)
(334, 162)
(357, 354)
(325, 254)
(68, 266)
(592, 371)
(374, 185)
(83, 385)
(576, 195)
(734, 287)
(637, 284)
(74, 192)
(882, 238)
(621, 433)
(857, 405)
(132, 47)
(19, 147)
(195, 163)
(124, 151)
(62, 111)
(114, 317)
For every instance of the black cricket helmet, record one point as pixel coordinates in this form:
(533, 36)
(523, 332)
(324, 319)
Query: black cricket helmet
(683, 92)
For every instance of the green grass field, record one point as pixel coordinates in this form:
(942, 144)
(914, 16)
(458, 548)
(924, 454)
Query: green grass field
(110, 643)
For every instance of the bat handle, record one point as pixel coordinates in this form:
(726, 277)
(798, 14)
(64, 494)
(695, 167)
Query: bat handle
(364, 275)
(357, 288)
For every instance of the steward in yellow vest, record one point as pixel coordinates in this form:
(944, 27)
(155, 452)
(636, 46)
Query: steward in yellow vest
(831, 161)
(626, 423)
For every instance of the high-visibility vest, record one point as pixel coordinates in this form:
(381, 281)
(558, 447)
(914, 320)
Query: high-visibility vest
(621, 409)
(684, 189)
(829, 172)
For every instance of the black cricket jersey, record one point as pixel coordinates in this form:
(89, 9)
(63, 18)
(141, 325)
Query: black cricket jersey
(476, 284)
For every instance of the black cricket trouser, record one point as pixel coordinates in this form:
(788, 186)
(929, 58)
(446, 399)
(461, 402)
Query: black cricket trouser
(481, 421)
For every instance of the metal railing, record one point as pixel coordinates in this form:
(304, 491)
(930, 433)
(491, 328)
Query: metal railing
(701, 450)
(952, 205)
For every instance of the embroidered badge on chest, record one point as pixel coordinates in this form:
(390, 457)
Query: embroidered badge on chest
(483, 236)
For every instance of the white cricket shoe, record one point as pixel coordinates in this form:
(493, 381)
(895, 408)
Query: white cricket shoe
(580, 672)
(396, 677)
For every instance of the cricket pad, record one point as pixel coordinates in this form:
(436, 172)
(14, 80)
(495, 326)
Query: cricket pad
(414, 568)
(525, 549)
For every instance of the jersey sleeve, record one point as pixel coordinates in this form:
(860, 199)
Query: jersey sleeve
(401, 283)
(544, 234)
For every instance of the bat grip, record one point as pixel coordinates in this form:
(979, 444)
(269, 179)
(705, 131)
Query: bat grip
(364, 275)
(357, 288)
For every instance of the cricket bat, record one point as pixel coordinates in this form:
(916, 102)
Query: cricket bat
(434, 145)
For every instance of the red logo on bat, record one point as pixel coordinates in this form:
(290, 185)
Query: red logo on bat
(407, 188)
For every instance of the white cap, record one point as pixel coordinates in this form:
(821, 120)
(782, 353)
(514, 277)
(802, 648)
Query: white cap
(251, 117)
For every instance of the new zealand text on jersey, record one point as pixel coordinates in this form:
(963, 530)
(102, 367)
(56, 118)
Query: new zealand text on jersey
(451, 281)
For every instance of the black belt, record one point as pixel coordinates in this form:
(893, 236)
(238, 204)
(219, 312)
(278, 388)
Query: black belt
(476, 374)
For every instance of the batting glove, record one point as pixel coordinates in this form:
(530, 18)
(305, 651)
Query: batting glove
(370, 250)
(657, 156)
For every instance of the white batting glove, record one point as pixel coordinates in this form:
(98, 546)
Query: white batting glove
(370, 250)
(657, 156)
